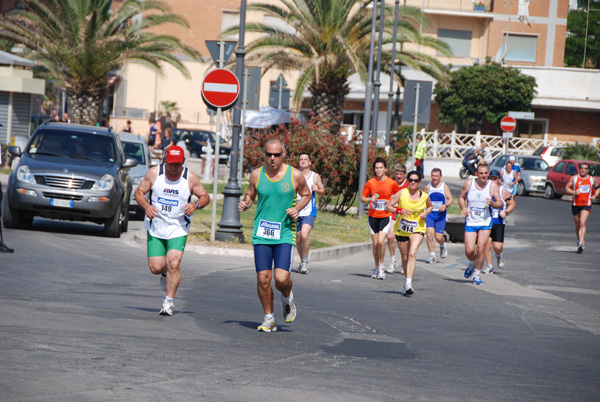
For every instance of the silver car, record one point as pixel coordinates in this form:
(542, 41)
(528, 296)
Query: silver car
(533, 172)
(70, 172)
(135, 147)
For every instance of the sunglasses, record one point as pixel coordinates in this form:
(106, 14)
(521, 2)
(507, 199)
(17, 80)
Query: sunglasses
(414, 180)
(276, 154)
(401, 171)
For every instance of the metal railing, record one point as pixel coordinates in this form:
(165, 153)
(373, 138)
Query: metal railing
(452, 5)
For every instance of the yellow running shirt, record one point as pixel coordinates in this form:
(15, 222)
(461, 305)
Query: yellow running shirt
(407, 225)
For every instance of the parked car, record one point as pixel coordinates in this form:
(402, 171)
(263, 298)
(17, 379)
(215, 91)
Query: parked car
(196, 141)
(533, 172)
(550, 153)
(559, 175)
(135, 147)
(70, 172)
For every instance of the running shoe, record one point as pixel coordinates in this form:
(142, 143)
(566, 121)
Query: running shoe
(432, 260)
(443, 252)
(303, 268)
(500, 261)
(469, 270)
(163, 282)
(490, 269)
(407, 290)
(289, 309)
(167, 308)
(375, 273)
(381, 273)
(580, 247)
(268, 325)
(477, 280)
(392, 268)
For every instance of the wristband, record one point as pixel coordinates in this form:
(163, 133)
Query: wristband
(398, 210)
(197, 205)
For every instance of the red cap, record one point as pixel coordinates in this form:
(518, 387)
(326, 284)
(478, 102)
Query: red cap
(174, 154)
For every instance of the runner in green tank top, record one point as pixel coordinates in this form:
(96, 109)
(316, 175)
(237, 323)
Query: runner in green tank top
(274, 234)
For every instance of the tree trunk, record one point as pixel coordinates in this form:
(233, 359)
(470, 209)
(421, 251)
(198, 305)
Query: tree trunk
(83, 108)
(328, 98)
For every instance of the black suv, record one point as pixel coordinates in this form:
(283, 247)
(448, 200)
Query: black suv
(71, 172)
(195, 141)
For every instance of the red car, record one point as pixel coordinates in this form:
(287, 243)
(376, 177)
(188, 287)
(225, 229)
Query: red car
(561, 173)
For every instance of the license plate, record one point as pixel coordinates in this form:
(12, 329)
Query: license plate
(61, 203)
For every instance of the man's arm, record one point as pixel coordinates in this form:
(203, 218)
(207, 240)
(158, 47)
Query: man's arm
(449, 199)
(318, 187)
(302, 190)
(198, 190)
(250, 195)
(143, 188)
(511, 204)
(496, 196)
(569, 187)
(462, 203)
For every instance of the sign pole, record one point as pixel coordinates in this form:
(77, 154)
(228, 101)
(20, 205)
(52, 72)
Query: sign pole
(243, 133)
(216, 159)
(415, 121)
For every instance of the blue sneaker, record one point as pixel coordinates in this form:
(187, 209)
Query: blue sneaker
(469, 270)
(477, 280)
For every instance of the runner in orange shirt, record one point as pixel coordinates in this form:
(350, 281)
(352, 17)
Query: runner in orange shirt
(584, 190)
(377, 192)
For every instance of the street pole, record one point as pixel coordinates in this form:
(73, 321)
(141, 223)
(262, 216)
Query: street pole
(415, 122)
(388, 123)
(230, 227)
(243, 135)
(377, 82)
(364, 154)
(215, 161)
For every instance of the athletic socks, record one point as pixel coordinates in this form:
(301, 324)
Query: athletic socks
(433, 253)
(305, 258)
(169, 299)
(408, 281)
(269, 316)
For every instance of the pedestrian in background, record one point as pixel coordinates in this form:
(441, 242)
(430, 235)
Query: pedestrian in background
(420, 154)
(3, 247)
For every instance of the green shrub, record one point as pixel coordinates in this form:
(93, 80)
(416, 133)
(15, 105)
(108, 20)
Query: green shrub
(582, 151)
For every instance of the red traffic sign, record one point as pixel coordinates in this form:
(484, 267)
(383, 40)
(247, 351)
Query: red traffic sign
(220, 89)
(508, 124)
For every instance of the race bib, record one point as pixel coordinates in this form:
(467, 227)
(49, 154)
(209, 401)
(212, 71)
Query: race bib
(168, 207)
(584, 188)
(436, 205)
(478, 212)
(269, 230)
(495, 213)
(379, 205)
(408, 226)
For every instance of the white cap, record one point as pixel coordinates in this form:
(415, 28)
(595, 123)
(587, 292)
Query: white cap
(512, 158)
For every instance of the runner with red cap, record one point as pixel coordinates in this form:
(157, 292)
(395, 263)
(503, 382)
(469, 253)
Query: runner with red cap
(168, 217)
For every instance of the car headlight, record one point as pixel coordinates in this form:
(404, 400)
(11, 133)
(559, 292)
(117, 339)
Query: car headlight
(106, 182)
(24, 174)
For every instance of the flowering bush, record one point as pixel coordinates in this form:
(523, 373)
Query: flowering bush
(335, 158)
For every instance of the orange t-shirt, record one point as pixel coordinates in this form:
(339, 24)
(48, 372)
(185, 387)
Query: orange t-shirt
(385, 189)
(587, 188)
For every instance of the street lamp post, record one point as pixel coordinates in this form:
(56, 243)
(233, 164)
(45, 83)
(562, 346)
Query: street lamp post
(364, 154)
(377, 81)
(230, 227)
(388, 124)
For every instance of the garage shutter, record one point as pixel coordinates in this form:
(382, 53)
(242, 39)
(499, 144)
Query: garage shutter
(3, 116)
(20, 118)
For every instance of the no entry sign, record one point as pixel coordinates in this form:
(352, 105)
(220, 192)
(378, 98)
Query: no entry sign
(220, 89)
(508, 124)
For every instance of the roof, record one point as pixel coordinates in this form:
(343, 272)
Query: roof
(52, 125)
(9, 59)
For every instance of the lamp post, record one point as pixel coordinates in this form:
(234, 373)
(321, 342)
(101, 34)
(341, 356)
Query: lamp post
(364, 154)
(377, 81)
(230, 227)
(388, 123)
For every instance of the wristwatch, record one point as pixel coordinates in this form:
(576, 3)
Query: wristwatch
(197, 205)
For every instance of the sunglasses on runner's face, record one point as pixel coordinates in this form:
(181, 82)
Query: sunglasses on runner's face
(275, 154)
(414, 180)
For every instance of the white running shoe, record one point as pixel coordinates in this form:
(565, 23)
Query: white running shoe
(407, 290)
(488, 270)
(303, 268)
(167, 308)
(431, 260)
(392, 268)
(268, 325)
(163, 282)
(443, 251)
(381, 274)
(289, 309)
(375, 273)
(500, 261)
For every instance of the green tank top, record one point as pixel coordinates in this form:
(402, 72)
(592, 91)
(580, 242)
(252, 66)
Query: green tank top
(271, 224)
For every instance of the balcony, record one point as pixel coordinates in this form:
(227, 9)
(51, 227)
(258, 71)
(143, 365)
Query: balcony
(453, 5)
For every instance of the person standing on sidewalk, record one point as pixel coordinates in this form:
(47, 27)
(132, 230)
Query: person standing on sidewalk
(420, 154)
(499, 217)
(475, 200)
(400, 178)
(377, 192)
(584, 190)
(274, 236)
(3, 247)
(413, 206)
(441, 198)
(168, 218)
(308, 214)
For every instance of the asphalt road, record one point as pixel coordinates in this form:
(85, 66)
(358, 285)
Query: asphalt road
(80, 323)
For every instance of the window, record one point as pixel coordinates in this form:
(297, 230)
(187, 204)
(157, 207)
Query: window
(230, 19)
(502, 160)
(559, 167)
(571, 169)
(520, 47)
(459, 41)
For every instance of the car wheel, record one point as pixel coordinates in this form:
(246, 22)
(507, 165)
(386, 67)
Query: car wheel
(521, 189)
(113, 226)
(549, 192)
(464, 173)
(10, 216)
(125, 224)
(194, 154)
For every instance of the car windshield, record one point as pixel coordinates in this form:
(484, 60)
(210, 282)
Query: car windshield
(135, 150)
(535, 164)
(69, 144)
(212, 138)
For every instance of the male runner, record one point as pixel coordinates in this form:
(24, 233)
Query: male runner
(167, 220)
(441, 198)
(400, 178)
(308, 215)
(475, 200)
(499, 217)
(276, 185)
(377, 192)
(584, 190)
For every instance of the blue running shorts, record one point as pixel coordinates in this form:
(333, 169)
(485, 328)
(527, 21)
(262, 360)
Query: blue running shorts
(266, 254)
(474, 229)
(305, 220)
(439, 225)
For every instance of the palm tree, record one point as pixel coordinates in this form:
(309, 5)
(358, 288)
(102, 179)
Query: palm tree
(79, 42)
(328, 41)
